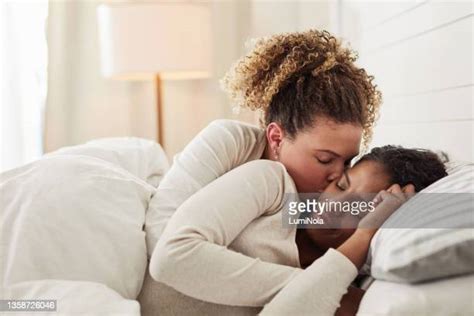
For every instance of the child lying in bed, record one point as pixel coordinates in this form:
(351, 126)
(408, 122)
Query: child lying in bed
(384, 170)
(226, 243)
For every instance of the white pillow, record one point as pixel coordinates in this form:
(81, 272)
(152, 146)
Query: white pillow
(451, 296)
(141, 157)
(431, 236)
(74, 217)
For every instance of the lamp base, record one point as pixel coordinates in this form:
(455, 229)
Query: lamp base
(159, 111)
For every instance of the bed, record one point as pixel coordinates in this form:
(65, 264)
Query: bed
(72, 231)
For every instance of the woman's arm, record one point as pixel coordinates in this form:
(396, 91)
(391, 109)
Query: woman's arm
(316, 291)
(220, 147)
(192, 254)
(326, 294)
(354, 250)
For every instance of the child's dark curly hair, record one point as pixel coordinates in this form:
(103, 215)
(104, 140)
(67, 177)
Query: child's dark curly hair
(419, 167)
(295, 77)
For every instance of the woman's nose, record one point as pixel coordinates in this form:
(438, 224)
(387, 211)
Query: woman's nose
(336, 173)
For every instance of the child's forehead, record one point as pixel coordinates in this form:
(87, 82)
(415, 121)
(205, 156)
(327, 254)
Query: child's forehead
(367, 171)
(368, 166)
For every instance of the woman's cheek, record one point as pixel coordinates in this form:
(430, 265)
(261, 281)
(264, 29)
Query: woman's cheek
(315, 180)
(320, 173)
(309, 176)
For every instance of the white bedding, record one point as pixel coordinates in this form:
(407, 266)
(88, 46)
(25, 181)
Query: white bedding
(143, 158)
(73, 298)
(72, 230)
(74, 218)
(77, 215)
(451, 296)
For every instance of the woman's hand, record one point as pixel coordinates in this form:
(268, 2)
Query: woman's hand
(386, 203)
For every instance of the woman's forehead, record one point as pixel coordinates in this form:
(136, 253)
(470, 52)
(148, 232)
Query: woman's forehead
(341, 138)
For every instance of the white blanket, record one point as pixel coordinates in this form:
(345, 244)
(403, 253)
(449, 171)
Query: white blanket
(73, 298)
(78, 215)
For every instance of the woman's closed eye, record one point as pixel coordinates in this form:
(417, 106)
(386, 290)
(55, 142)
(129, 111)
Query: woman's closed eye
(324, 160)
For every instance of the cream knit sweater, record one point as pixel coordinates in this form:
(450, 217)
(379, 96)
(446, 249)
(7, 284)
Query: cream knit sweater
(216, 227)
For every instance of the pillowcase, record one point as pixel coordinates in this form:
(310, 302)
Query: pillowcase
(143, 158)
(451, 296)
(431, 236)
(74, 217)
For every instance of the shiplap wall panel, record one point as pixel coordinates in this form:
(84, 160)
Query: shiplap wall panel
(420, 53)
(445, 105)
(454, 138)
(423, 18)
(436, 60)
(374, 13)
(358, 16)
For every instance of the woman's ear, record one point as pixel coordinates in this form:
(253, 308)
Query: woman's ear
(275, 135)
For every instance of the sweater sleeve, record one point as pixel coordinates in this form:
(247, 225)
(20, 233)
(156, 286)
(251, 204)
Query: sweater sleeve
(192, 255)
(220, 147)
(193, 258)
(316, 291)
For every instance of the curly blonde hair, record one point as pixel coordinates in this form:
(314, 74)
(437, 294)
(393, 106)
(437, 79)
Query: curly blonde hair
(294, 77)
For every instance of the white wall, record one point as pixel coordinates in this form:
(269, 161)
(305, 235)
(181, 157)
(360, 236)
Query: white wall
(190, 106)
(82, 105)
(420, 53)
(272, 17)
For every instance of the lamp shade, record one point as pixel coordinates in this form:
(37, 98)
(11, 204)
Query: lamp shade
(138, 41)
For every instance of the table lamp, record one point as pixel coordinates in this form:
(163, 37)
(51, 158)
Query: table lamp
(161, 41)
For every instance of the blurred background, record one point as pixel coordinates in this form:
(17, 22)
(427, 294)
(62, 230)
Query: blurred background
(55, 91)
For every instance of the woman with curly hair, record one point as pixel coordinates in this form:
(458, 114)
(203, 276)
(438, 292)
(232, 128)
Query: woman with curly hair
(214, 224)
